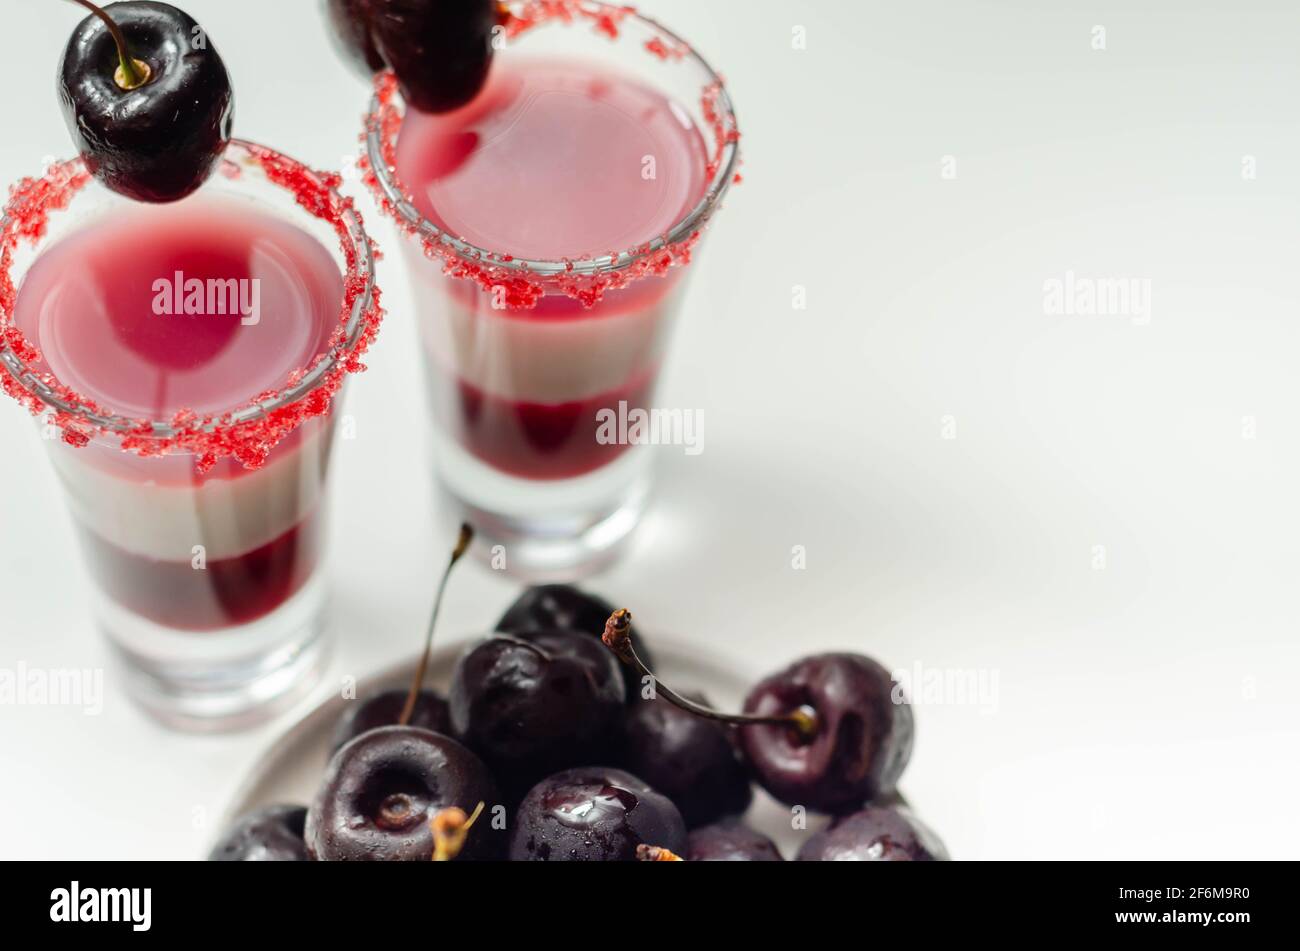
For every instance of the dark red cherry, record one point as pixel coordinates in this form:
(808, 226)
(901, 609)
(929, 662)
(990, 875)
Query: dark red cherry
(562, 607)
(874, 834)
(272, 834)
(159, 140)
(381, 790)
(440, 50)
(862, 737)
(351, 31)
(691, 760)
(385, 709)
(730, 841)
(593, 814)
(534, 703)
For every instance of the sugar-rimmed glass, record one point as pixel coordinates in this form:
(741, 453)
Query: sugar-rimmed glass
(203, 534)
(525, 357)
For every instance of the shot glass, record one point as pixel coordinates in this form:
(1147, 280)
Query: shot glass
(203, 531)
(538, 365)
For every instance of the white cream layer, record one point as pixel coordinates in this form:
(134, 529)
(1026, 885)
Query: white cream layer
(538, 359)
(168, 520)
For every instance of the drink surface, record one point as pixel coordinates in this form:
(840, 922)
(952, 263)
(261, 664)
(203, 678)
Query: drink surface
(553, 160)
(199, 305)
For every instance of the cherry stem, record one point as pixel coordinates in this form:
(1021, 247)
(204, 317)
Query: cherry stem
(462, 545)
(450, 829)
(654, 853)
(618, 638)
(134, 73)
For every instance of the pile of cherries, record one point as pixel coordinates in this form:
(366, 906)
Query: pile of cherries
(547, 748)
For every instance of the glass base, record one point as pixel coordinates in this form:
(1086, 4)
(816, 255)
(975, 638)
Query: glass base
(216, 681)
(545, 531)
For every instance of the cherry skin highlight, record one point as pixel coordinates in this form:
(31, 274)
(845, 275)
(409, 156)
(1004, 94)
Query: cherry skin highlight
(159, 141)
(272, 834)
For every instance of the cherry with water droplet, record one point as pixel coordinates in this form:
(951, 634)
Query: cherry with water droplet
(594, 814)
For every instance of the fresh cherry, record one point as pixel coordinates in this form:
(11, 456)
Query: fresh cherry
(534, 703)
(874, 834)
(730, 841)
(383, 790)
(272, 834)
(351, 31)
(593, 814)
(440, 50)
(691, 760)
(146, 98)
(385, 709)
(827, 733)
(862, 740)
(562, 607)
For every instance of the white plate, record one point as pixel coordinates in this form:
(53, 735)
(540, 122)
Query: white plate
(291, 769)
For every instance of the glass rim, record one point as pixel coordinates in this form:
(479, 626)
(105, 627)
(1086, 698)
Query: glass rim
(280, 171)
(607, 17)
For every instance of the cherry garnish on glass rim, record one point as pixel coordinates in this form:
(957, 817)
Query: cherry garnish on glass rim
(146, 98)
(440, 50)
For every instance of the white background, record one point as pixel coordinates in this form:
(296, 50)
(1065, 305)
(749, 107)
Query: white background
(1146, 708)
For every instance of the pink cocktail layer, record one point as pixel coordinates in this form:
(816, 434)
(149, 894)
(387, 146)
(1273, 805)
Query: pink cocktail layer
(553, 161)
(201, 305)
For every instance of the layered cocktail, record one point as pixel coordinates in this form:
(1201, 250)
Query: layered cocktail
(549, 222)
(186, 360)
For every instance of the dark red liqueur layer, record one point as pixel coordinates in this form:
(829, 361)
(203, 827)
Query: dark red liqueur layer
(542, 441)
(228, 592)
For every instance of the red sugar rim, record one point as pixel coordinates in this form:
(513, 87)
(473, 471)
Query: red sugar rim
(249, 432)
(584, 279)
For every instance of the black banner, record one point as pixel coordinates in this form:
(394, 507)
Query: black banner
(1173, 901)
